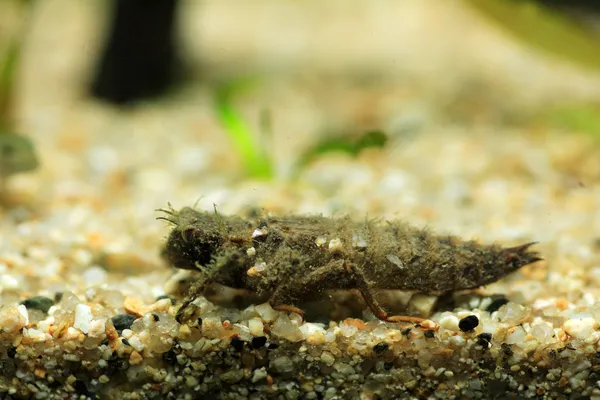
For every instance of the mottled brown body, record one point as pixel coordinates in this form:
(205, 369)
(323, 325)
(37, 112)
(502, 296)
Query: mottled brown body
(295, 258)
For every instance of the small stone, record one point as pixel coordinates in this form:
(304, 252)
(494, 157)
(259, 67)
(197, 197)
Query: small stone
(259, 342)
(266, 312)
(380, 347)
(250, 251)
(258, 269)
(449, 322)
(580, 328)
(484, 339)
(320, 240)
(327, 358)
(123, 321)
(513, 314)
(256, 327)
(468, 323)
(335, 245)
(343, 368)
(232, 376)
(94, 275)
(282, 365)
(284, 328)
(83, 317)
(136, 343)
(237, 344)
(259, 374)
(97, 328)
(135, 358)
(516, 335)
(429, 334)
(11, 352)
(358, 242)
(422, 304)
(496, 304)
(41, 303)
(260, 232)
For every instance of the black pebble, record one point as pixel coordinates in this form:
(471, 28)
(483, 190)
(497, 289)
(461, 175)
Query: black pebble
(125, 342)
(429, 334)
(123, 321)
(258, 342)
(468, 323)
(165, 296)
(41, 303)
(406, 331)
(496, 304)
(272, 346)
(507, 349)
(169, 357)
(11, 352)
(155, 317)
(380, 347)
(484, 339)
(237, 343)
(387, 366)
(58, 297)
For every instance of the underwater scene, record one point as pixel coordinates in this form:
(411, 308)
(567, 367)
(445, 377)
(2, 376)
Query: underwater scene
(283, 199)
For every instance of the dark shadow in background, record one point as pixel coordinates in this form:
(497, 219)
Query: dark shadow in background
(139, 59)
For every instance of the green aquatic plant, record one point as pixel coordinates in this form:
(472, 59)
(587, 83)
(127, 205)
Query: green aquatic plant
(257, 162)
(341, 143)
(256, 158)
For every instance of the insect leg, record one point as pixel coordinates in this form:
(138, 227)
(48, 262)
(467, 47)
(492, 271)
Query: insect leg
(298, 288)
(366, 291)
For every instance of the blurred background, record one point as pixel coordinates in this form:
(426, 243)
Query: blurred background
(118, 94)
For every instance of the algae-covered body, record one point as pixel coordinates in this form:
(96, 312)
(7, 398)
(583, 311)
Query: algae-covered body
(294, 258)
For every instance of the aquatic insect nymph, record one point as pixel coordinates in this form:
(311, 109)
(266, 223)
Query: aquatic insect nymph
(294, 258)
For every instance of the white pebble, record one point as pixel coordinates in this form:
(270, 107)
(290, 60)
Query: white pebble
(136, 343)
(320, 240)
(358, 242)
(9, 282)
(335, 245)
(251, 251)
(308, 329)
(457, 340)
(516, 335)
(97, 328)
(449, 322)
(266, 312)
(83, 317)
(82, 257)
(23, 311)
(35, 335)
(580, 328)
(259, 232)
(94, 275)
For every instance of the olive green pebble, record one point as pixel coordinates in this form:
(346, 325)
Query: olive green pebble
(41, 303)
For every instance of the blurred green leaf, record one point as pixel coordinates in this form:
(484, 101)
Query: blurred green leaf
(545, 29)
(579, 118)
(256, 161)
(342, 144)
(17, 154)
